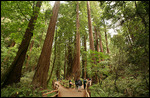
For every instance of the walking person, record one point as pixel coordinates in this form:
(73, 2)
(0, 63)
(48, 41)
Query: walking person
(70, 83)
(76, 83)
(84, 82)
(79, 85)
(90, 80)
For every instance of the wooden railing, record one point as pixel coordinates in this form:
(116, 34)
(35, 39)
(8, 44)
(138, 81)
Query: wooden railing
(55, 86)
(87, 90)
(87, 94)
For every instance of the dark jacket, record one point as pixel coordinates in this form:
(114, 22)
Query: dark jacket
(76, 82)
(79, 82)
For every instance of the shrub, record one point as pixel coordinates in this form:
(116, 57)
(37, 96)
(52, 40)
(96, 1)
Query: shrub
(20, 90)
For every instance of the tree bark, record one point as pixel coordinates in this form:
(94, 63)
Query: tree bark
(106, 40)
(91, 38)
(69, 59)
(100, 42)
(90, 30)
(97, 45)
(58, 58)
(40, 76)
(90, 27)
(76, 67)
(65, 63)
(54, 59)
(85, 58)
(13, 74)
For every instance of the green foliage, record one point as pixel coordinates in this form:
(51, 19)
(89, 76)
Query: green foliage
(27, 77)
(20, 90)
(7, 54)
(127, 87)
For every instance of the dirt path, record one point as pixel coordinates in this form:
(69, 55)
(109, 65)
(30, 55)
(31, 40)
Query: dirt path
(64, 92)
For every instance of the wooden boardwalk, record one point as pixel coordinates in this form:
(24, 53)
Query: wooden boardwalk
(64, 92)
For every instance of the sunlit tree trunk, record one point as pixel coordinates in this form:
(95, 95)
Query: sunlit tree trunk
(90, 27)
(76, 65)
(91, 39)
(41, 73)
(13, 74)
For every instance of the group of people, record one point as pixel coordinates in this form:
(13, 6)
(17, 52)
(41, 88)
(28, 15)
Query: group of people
(78, 83)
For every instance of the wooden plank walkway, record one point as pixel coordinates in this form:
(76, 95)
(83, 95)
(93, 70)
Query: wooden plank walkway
(64, 92)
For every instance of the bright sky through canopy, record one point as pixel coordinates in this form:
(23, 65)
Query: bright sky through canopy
(110, 31)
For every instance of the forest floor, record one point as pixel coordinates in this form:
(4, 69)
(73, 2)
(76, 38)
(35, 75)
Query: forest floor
(64, 92)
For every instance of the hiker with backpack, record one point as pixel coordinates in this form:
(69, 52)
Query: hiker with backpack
(79, 85)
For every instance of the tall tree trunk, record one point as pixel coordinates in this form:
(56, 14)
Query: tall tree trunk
(58, 58)
(91, 39)
(54, 58)
(40, 76)
(90, 27)
(76, 66)
(98, 50)
(90, 30)
(69, 59)
(13, 74)
(85, 58)
(110, 66)
(97, 45)
(100, 42)
(65, 63)
(106, 40)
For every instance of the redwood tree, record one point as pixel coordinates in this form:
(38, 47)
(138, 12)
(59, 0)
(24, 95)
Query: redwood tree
(76, 66)
(41, 73)
(13, 74)
(54, 58)
(84, 58)
(91, 39)
(69, 59)
(97, 45)
(65, 63)
(100, 42)
(106, 40)
(90, 27)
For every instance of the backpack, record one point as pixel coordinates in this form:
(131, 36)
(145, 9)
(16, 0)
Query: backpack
(76, 82)
(80, 83)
